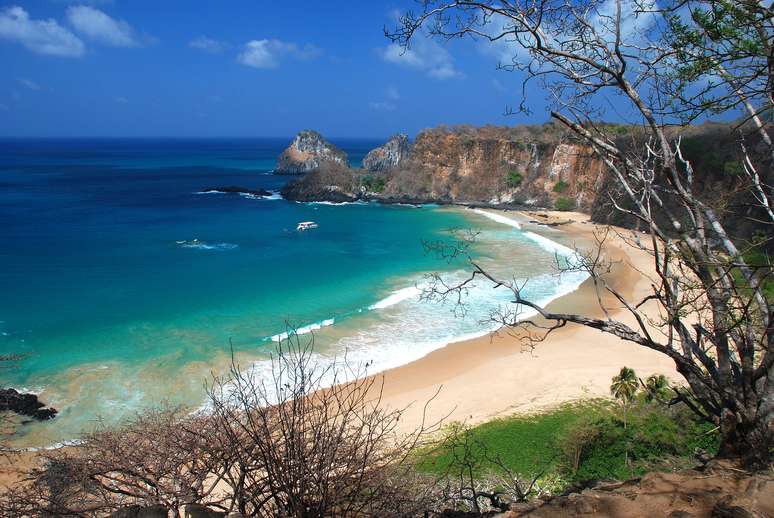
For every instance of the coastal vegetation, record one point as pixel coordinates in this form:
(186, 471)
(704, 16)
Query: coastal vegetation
(713, 318)
(579, 441)
(307, 440)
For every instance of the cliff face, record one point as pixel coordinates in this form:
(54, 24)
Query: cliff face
(391, 155)
(532, 165)
(540, 166)
(526, 165)
(308, 152)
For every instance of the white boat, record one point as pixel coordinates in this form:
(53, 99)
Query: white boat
(306, 225)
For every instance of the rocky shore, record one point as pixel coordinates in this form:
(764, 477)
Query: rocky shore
(522, 167)
(308, 152)
(25, 404)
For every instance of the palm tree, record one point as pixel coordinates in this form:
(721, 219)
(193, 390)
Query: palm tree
(624, 388)
(657, 387)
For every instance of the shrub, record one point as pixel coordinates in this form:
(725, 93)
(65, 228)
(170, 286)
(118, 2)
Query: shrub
(514, 178)
(564, 203)
(597, 446)
(373, 184)
(561, 186)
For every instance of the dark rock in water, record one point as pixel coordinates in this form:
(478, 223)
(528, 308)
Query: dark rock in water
(137, 511)
(233, 189)
(389, 156)
(308, 152)
(25, 404)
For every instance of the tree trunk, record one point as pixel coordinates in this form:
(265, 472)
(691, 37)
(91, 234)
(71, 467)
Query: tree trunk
(749, 442)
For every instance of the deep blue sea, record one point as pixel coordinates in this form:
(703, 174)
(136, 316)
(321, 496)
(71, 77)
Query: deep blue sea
(114, 307)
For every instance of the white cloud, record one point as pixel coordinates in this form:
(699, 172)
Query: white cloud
(208, 45)
(382, 106)
(29, 83)
(269, 53)
(389, 103)
(425, 55)
(100, 27)
(497, 85)
(40, 36)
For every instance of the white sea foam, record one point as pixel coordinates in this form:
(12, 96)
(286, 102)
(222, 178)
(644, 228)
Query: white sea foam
(55, 446)
(335, 203)
(275, 195)
(396, 297)
(499, 218)
(200, 245)
(415, 327)
(304, 329)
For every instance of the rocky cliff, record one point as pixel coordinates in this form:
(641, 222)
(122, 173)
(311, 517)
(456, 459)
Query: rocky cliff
(391, 155)
(533, 165)
(525, 165)
(308, 152)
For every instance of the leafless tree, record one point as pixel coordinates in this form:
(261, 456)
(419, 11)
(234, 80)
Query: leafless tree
(713, 319)
(163, 457)
(475, 480)
(314, 440)
(304, 441)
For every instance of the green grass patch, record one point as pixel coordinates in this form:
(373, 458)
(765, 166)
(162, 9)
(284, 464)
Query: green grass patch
(514, 179)
(564, 204)
(561, 186)
(587, 440)
(524, 444)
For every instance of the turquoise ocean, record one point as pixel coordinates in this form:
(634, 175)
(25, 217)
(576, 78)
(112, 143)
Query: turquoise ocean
(113, 307)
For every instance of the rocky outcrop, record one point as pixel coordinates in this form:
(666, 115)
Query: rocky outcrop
(533, 166)
(235, 189)
(25, 404)
(524, 165)
(712, 493)
(389, 156)
(308, 152)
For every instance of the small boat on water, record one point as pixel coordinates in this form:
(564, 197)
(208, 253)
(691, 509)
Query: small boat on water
(306, 225)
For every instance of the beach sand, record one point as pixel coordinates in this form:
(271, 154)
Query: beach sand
(498, 375)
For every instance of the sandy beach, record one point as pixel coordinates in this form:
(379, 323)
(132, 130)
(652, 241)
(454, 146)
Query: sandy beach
(496, 375)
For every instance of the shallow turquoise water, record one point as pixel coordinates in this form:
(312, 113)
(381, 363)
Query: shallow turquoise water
(113, 314)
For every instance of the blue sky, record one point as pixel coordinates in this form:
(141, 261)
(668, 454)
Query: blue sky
(236, 68)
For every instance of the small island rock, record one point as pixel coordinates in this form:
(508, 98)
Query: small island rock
(308, 152)
(389, 156)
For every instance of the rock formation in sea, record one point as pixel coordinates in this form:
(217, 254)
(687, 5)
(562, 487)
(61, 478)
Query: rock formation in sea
(528, 166)
(389, 156)
(308, 152)
(235, 189)
(25, 404)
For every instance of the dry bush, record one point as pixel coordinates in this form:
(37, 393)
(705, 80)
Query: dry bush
(296, 443)
(314, 440)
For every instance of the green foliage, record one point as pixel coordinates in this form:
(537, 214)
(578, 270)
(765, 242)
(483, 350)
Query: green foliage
(514, 178)
(657, 388)
(564, 203)
(580, 441)
(524, 444)
(373, 184)
(624, 385)
(560, 186)
(733, 167)
(597, 446)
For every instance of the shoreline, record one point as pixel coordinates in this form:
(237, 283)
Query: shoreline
(494, 375)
